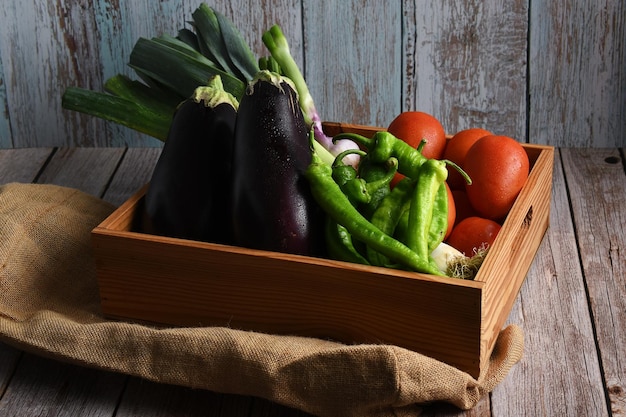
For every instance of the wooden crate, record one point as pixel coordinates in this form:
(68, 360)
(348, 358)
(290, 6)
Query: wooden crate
(179, 282)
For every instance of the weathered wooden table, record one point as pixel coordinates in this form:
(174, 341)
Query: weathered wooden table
(572, 306)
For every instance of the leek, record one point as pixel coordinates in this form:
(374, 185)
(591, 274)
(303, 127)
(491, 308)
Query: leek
(178, 70)
(142, 117)
(169, 69)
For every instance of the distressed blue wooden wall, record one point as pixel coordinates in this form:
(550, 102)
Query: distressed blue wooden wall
(541, 71)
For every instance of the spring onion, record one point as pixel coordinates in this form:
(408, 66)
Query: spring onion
(277, 44)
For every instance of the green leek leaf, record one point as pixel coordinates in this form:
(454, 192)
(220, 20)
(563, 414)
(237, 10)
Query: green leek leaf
(189, 37)
(210, 38)
(159, 99)
(237, 48)
(177, 70)
(119, 110)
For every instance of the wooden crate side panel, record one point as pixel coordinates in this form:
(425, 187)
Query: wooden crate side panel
(513, 251)
(334, 128)
(124, 218)
(193, 285)
(554, 310)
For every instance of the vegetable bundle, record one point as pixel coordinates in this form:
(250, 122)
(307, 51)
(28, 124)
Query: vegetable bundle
(246, 161)
(170, 69)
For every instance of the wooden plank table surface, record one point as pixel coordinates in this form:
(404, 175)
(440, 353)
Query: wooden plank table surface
(572, 306)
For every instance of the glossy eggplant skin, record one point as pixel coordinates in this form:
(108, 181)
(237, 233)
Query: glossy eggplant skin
(189, 192)
(273, 208)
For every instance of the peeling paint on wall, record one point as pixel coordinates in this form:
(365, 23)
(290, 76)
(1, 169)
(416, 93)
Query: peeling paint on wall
(553, 73)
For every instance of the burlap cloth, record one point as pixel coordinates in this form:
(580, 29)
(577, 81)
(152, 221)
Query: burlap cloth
(49, 305)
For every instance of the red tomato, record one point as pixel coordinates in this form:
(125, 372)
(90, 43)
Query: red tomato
(472, 233)
(498, 167)
(456, 150)
(412, 127)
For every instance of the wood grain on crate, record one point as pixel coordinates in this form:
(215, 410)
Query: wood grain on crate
(513, 251)
(172, 281)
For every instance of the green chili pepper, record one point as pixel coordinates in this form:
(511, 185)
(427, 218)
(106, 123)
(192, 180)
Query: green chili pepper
(356, 191)
(335, 203)
(432, 175)
(384, 145)
(378, 178)
(343, 173)
(386, 216)
(346, 177)
(402, 228)
(438, 224)
(339, 243)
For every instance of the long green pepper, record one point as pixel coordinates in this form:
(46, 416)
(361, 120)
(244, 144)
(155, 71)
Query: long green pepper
(378, 178)
(432, 175)
(339, 244)
(343, 173)
(438, 224)
(346, 177)
(387, 215)
(334, 202)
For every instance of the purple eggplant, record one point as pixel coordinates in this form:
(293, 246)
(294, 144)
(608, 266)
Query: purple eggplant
(189, 192)
(273, 208)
